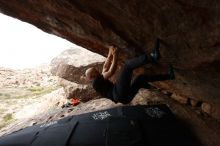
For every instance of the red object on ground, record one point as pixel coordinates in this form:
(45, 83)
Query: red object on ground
(74, 101)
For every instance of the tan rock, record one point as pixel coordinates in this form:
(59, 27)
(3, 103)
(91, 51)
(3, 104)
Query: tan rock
(216, 111)
(180, 99)
(76, 56)
(206, 107)
(83, 92)
(74, 74)
(194, 102)
(166, 92)
(213, 109)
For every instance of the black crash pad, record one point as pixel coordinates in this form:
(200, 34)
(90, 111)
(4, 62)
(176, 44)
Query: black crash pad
(121, 126)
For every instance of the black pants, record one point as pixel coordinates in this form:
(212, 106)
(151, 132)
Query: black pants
(125, 89)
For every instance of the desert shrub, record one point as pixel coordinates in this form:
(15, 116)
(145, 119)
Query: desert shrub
(7, 117)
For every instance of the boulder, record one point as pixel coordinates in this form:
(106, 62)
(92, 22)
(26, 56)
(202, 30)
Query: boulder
(70, 66)
(179, 98)
(75, 74)
(76, 56)
(211, 109)
(206, 107)
(81, 92)
(194, 103)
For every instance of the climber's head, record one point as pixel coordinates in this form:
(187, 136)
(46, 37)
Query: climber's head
(92, 73)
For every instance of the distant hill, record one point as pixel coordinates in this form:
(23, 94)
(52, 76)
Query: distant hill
(39, 76)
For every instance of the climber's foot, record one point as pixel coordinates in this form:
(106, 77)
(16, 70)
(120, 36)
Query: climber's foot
(155, 54)
(171, 73)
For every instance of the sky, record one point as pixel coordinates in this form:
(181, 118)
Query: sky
(23, 45)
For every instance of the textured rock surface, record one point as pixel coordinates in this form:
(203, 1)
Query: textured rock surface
(76, 57)
(189, 31)
(179, 98)
(83, 92)
(70, 66)
(206, 108)
(75, 74)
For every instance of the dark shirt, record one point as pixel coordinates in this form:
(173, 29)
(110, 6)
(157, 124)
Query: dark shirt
(103, 87)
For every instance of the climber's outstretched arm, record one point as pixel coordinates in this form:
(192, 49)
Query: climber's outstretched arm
(109, 66)
(108, 61)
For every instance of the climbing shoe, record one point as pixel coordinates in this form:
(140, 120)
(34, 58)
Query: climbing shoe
(171, 72)
(155, 54)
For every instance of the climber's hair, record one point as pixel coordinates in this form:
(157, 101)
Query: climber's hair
(114, 45)
(111, 45)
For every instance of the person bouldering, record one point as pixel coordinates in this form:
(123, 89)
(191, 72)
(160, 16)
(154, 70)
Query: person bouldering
(124, 89)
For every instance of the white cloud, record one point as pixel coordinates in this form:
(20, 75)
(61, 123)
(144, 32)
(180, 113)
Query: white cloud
(23, 45)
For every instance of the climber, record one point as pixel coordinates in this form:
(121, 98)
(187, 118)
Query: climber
(125, 88)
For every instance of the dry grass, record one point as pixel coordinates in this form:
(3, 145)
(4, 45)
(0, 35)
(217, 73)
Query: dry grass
(7, 119)
(18, 93)
(9, 96)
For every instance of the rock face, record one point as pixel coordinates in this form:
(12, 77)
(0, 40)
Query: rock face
(76, 57)
(83, 92)
(70, 66)
(75, 74)
(189, 31)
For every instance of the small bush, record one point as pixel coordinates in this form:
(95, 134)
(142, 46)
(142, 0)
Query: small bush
(1, 111)
(36, 89)
(2, 125)
(7, 117)
(5, 95)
